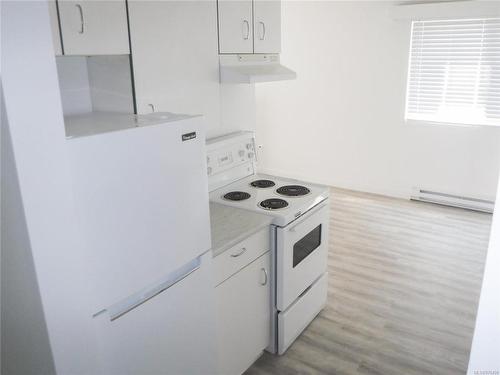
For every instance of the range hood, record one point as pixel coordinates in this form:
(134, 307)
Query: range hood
(253, 69)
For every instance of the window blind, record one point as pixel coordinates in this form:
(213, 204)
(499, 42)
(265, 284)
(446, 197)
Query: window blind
(454, 72)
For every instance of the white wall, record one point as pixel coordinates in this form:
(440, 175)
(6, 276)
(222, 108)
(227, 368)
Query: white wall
(110, 83)
(341, 122)
(74, 84)
(22, 317)
(484, 358)
(36, 130)
(95, 83)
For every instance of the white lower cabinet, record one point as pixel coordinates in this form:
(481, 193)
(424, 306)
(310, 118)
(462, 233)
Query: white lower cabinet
(243, 315)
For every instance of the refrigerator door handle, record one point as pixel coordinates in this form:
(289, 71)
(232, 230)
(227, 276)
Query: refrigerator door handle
(124, 306)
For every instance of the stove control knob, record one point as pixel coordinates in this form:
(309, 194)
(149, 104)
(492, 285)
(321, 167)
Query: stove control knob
(209, 170)
(249, 146)
(250, 155)
(241, 153)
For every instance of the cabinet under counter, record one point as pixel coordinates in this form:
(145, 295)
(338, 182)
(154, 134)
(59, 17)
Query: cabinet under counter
(243, 279)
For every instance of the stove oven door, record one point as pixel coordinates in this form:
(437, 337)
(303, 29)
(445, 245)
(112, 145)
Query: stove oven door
(302, 249)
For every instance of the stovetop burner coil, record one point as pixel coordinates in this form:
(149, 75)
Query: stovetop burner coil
(293, 190)
(237, 196)
(262, 183)
(273, 204)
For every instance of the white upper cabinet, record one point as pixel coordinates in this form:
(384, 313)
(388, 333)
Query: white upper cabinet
(94, 27)
(247, 26)
(235, 26)
(267, 26)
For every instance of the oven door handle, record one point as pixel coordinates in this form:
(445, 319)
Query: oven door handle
(313, 211)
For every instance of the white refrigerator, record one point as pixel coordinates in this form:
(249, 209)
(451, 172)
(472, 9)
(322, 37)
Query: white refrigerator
(140, 188)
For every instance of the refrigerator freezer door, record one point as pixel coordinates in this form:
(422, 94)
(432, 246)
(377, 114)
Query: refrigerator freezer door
(142, 202)
(170, 333)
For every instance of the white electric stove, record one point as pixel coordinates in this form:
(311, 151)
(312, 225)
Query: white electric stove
(300, 213)
(284, 199)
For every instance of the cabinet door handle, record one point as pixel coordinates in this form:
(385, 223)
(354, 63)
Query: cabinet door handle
(152, 107)
(263, 29)
(243, 249)
(80, 10)
(265, 276)
(245, 30)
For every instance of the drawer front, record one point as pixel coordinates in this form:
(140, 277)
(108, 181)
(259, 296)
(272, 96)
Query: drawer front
(237, 257)
(297, 317)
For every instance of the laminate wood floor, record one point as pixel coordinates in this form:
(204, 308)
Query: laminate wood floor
(404, 284)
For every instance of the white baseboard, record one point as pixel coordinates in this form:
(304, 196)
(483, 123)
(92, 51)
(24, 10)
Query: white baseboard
(454, 200)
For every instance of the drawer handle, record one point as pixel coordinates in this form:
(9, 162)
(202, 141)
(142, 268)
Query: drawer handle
(265, 276)
(243, 249)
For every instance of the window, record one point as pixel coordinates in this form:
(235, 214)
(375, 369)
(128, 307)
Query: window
(306, 245)
(454, 72)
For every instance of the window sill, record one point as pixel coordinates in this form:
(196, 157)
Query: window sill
(448, 124)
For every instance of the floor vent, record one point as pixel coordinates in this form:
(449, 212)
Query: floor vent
(468, 203)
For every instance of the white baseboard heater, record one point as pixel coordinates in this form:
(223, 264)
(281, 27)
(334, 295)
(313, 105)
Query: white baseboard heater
(447, 199)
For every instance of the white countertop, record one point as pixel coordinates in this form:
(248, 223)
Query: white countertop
(230, 225)
(104, 122)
